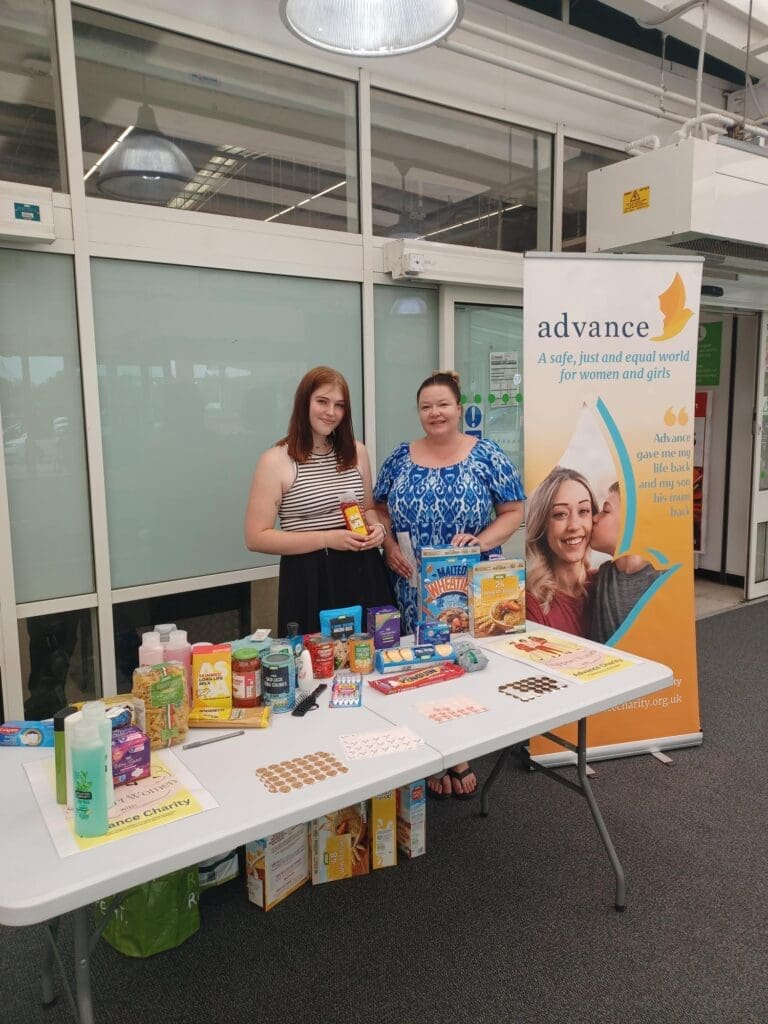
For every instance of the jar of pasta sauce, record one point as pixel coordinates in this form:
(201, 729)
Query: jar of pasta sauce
(320, 649)
(361, 653)
(246, 678)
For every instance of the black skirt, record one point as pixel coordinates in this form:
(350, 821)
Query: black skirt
(321, 580)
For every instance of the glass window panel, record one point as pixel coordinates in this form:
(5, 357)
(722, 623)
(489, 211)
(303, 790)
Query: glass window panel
(215, 615)
(763, 479)
(489, 360)
(406, 346)
(247, 137)
(29, 96)
(579, 158)
(59, 661)
(42, 418)
(761, 553)
(450, 176)
(197, 370)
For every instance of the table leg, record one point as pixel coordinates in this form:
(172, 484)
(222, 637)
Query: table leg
(586, 788)
(49, 960)
(82, 965)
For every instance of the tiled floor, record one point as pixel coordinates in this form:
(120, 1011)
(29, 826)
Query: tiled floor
(713, 598)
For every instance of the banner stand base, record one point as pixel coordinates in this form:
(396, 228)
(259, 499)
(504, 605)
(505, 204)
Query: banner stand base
(613, 750)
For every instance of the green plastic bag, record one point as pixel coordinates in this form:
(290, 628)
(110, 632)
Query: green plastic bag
(155, 916)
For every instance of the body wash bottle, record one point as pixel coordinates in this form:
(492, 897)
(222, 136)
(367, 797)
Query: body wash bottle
(95, 713)
(88, 781)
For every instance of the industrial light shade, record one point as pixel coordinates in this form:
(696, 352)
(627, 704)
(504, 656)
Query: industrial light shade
(146, 167)
(371, 28)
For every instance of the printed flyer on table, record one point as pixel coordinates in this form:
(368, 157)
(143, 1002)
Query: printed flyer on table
(172, 792)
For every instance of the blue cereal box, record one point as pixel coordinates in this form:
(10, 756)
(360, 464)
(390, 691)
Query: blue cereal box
(444, 585)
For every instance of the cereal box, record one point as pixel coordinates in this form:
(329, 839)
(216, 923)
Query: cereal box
(384, 626)
(340, 847)
(443, 585)
(497, 597)
(412, 819)
(276, 866)
(384, 830)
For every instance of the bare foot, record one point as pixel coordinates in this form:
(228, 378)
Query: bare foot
(463, 779)
(439, 784)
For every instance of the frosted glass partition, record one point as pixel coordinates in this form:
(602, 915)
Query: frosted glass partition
(489, 359)
(42, 417)
(406, 344)
(197, 370)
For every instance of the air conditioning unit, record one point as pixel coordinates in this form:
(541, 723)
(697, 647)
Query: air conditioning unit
(706, 197)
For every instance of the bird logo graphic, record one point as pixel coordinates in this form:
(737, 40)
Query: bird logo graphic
(672, 305)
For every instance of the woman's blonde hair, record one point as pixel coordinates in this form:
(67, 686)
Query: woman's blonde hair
(539, 559)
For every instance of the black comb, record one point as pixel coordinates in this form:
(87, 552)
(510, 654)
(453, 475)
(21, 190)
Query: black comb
(307, 701)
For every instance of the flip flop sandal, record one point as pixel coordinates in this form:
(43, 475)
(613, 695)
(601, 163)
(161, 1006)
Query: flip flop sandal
(433, 794)
(460, 776)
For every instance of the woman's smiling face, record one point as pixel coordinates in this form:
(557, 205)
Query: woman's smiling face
(439, 411)
(570, 522)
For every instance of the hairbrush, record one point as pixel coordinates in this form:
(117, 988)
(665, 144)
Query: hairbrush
(306, 701)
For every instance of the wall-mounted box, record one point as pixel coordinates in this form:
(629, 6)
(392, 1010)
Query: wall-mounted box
(26, 213)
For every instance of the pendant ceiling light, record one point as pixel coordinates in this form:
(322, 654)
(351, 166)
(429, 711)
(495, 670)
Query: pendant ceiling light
(146, 167)
(371, 28)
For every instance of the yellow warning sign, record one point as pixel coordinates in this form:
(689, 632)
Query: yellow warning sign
(637, 199)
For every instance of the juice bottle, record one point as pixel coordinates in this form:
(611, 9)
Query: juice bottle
(88, 779)
(354, 516)
(151, 650)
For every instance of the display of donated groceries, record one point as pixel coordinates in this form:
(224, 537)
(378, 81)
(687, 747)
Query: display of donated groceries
(99, 746)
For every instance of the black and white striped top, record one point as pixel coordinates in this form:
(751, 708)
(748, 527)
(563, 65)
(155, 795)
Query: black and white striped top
(312, 500)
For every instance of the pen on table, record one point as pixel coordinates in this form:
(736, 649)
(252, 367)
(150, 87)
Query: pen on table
(213, 739)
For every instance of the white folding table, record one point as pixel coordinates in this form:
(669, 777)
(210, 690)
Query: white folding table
(36, 885)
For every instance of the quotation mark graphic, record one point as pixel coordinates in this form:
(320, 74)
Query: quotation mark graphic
(671, 417)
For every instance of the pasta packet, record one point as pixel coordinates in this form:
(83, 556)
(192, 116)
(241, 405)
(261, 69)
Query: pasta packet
(164, 692)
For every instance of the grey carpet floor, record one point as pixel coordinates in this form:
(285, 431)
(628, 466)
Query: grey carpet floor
(509, 919)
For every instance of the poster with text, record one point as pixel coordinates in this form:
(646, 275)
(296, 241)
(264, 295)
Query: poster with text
(610, 358)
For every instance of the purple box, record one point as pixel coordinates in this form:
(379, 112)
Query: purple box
(384, 626)
(130, 755)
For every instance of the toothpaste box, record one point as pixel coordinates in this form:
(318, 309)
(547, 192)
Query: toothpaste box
(384, 830)
(443, 585)
(130, 755)
(27, 734)
(277, 866)
(412, 819)
(432, 633)
(383, 625)
(497, 597)
(340, 847)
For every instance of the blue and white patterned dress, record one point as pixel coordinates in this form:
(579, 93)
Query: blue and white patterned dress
(433, 505)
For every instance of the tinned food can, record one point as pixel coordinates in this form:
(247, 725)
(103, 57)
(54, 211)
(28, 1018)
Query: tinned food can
(278, 682)
(361, 652)
(320, 649)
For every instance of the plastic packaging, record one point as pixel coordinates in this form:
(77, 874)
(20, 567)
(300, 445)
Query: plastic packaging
(179, 649)
(89, 781)
(151, 650)
(304, 673)
(354, 516)
(95, 713)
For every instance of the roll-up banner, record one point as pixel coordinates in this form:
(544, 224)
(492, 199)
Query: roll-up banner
(610, 366)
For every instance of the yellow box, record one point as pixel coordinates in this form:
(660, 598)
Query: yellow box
(340, 847)
(384, 830)
(497, 597)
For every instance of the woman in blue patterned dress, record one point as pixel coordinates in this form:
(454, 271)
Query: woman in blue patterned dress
(445, 488)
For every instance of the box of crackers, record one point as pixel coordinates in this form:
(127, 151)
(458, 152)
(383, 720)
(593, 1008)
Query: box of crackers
(497, 597)
(340, 844)
(412, 819)
(443, 585)
(276, 866)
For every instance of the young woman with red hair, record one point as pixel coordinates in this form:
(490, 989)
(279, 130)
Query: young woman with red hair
(300, 481)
